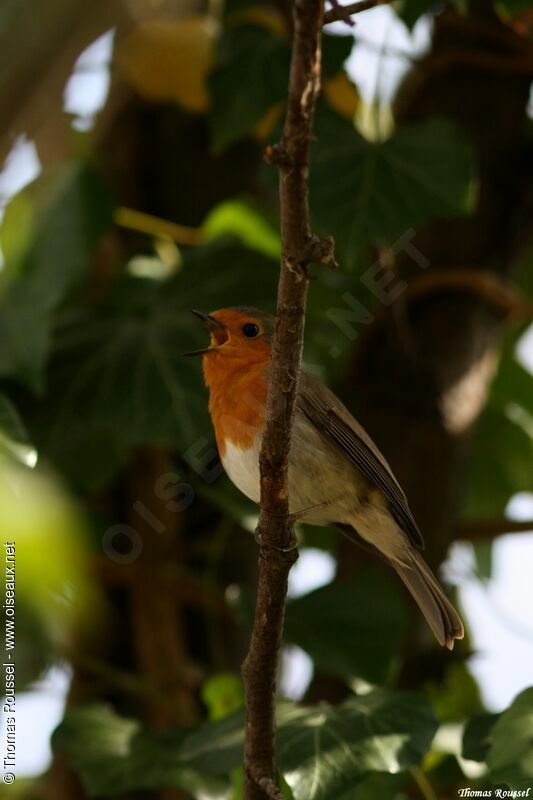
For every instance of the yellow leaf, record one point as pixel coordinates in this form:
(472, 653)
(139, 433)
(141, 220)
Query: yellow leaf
(341, 94)
(266, 125)
(170, 60)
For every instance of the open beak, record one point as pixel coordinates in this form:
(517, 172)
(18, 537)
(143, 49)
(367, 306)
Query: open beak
(212, 325)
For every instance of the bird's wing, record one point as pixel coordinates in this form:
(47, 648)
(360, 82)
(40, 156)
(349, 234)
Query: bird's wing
(333, 420)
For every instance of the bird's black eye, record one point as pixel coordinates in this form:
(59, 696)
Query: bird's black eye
(250, 330)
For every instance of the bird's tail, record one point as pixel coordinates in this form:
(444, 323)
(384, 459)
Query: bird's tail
(441, 616)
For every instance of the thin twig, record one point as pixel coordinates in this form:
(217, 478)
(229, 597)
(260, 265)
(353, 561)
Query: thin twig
(275, 528)
(426, 789)
(497, 292)
(155, 226)
(342, 13)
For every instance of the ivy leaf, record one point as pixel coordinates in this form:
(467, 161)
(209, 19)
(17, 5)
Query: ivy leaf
(410, 11)
(382, 786)
(513, 384)
(483, 555)
(508, 447)
(251, 75)
(335, 50)
(367, 192)
(118, 373)
(113, 755)
(344, 634)
(48, 234)
(511, 8)
(215, 748)
(11, 425)
(323, 751)
(14, 441)
(326, 750)
(455, 695)
(503, 438)
(510, 757)
(96, 741)
(476, 736)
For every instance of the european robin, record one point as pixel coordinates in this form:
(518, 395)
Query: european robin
(336, 471)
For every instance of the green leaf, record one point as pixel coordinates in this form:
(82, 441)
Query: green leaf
(455, 695)
(511, 8)
(483, 552)
(53, 589)
(366, 192)
(223, 694)
(241, 219)
(410, 11)
(510, 757)
(344, 633)
(118, 370)
(524, 272)
(97, 742)
(503, 438)
(25, 335)
(380, 786)
(14, 441)
(335, 50)
(11, 425)
(250, 76)
(324, 751)
(476, 736)
(48, 234)
(508, 448)
(513, 384)
(36, 643)
(112, 754)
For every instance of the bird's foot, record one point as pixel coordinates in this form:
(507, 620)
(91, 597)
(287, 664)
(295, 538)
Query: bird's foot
(295, 517)
(306, 512)
(259, 539)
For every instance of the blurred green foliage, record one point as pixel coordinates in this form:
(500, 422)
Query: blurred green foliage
(323, 623)
(427, 169)
(48, 236)
(322, 752)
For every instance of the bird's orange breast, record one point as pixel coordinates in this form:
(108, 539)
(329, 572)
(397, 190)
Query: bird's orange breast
(237, 398)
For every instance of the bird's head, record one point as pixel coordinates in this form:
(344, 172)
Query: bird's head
(237, 333)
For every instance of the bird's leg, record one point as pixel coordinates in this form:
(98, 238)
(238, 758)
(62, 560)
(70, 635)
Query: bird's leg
(295, 517)
(305, 512)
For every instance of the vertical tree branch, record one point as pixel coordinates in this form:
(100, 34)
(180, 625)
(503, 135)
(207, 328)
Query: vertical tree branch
(275, 528)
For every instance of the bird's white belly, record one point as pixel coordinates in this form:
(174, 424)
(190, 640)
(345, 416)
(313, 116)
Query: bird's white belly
(324, 483)
(242, 467)
(317, 476)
